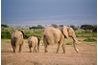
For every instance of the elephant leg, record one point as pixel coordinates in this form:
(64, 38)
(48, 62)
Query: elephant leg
(58, 47)
(38, 44)
(20, 47)
(14, 48)
(74, 44)
(46, 48)
(63, 48)
(46, 43)
(35, 49)
(30, 49)
(30, 46)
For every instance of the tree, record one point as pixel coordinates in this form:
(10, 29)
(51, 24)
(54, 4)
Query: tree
(40, 27)
(4, 25)
(95, 28)
(74, 27)
(36, 27)
(54, 25)
(88, 27)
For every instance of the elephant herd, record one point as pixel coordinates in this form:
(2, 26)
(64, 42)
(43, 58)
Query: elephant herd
(51, 35)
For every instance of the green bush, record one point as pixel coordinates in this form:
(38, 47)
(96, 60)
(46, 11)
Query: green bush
(82, 33)
(5, 35)
(69, 43)
(89, 39)
(36, 32)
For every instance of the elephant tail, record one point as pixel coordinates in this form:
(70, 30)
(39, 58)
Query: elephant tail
(46, 40)
(38, 43)
(23, 33)
(30, 44)
(13, 41)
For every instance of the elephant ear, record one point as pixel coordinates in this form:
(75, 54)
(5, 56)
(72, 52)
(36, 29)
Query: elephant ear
(65, 31)
(71, 32)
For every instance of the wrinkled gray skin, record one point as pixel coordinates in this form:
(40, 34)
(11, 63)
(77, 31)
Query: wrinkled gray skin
(34, 42)
(17, 40)
(56, 36)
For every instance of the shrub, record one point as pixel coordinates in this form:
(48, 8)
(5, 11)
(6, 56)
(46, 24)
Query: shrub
(5, 35)
(89, 39)
(68, 43)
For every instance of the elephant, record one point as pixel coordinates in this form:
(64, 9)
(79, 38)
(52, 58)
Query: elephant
(17, 40)
(69, 32)
(34, 42)
(54, 35)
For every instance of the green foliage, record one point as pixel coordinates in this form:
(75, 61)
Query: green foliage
(54, 25)
(89, 27)
(82, 33)
(27, 34)
(74, 27)
(95, 28)
(4, 25)
(36, 32)
(69, 43)
(36, 27)
(5, 35)
(5, 41)
(90, 39)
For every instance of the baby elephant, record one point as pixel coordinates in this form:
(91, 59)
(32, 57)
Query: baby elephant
(34, 42)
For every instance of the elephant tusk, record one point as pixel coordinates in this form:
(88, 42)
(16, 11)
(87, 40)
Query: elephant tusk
(77, 49)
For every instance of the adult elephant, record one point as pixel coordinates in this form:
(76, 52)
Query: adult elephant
(54, 35)
(17, 40)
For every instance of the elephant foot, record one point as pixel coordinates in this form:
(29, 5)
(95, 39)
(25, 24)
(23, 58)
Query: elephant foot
(30, 51)
(19, 51)
(36, 51)
(56, 52)
(13, 51)
(46, 51)
(63, 52)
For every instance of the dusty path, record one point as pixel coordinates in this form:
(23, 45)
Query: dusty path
(86, 56)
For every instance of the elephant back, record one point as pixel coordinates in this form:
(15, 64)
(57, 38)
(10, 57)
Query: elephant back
(32, 40)
(17, 36)
(52, 35)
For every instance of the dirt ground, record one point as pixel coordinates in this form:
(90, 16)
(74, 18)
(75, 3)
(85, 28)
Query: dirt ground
(86, 56)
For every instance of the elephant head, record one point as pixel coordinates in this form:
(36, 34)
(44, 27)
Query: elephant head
(69, 32)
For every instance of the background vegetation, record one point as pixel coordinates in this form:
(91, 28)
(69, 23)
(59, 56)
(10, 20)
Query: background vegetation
(88, 32)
